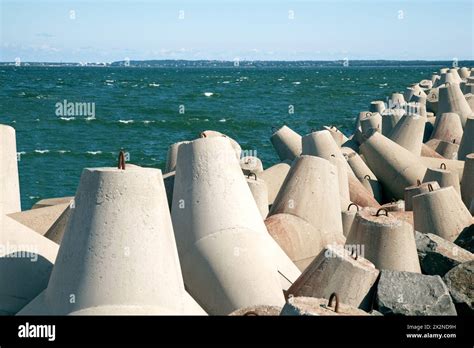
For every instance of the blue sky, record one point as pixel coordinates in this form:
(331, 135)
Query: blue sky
(106, 31)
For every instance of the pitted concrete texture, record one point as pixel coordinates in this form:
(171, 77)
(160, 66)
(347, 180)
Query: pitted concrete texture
(388, 242)
(259, 310)
(287, 143)
(274, 178)
(335, 270)
(437, 255)
(406, 293)
(26, 262)
(40, 219)
(9, 184)
(309, 306)
(414, 190)
(460, 282)
(47, 202)
(441, 212)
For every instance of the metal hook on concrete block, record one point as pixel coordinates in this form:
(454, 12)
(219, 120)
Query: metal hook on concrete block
(381, 209)
(443, 166)
(250, 174)
(352, 204)
(121, 160)
(331, 298)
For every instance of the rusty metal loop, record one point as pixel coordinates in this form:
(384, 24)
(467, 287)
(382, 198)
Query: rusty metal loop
(250, 174)
(202, 135)
(430, 188)
(354, 253)
(250, 314)
(352, 204)
(418, 182)
(331, 298)
(381, 209)
(443, 165)
(367, 176)
(121, 160)
(368, 114)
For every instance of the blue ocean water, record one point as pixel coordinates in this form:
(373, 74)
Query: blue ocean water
(144, 110)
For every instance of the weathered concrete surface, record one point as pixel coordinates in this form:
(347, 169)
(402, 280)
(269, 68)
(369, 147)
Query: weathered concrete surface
(259, 310)
(309, 306)
(394, 206)
(441, 212)
(364, 175)
(388, 242)
(466, 239)
(359, 194)
(406, 293)
(274, 178)
(337, 135)
(47, 202)
(234, 143)
(26, 262)
(259, 190)
(467, 144)
(377, 106)
(444, 178)
(335, 270)
(172, 157)
(56, 231)
(394, 166)
(414, 190)
(427, 151)
(460, 282)
(451, 165)
(408, 133)
(287, 143)
(9, 185)
(40, 219)
(448, 127)
(448, 149)
(371, 121)
(451, 99)
(348, 217)
(251, 164)
(437, 255)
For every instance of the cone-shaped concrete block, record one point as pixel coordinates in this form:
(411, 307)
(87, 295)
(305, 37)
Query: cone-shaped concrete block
(56, 231)
(335, 270)
(448, 150)
(40, 219)
(118, 254)
(359, 194)
(371, 120)
(365, 175)
(409, 133)
(337, 135)
(388, 242)
(9, 184)
(348, 217)
(224, 247)
(47, 202)
(394, 166)
(414, 190)
(426, 84)
(287, 143)
(311, 192)
(235, 144)
(432, 100)
(172, 157)
(377, 106)
(274, 178)
(251, 164)
(454, 166)
(451, 99)
(309, 306)
(464, 72)
(455, 74)
(467, 142)
(26, 262)
(259, 190)
(448, 127)
(441, 212)
(444, 178)
(397, 100)
(467, 182)
(427, 151)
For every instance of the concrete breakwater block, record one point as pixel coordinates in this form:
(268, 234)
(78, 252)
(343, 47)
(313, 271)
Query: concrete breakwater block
(444, 163)
(451, 99)
(56, 231)
(227, 256)
(388, 242)
(309, 306)
(448, 127)
(259, 190)
(274, 177)
(437, 255)
(120, 223)
(26, 262)
(467, 141)
(377, 106)
(460, 282)
(444, 178)
(337, 135)
(441, 212)
(47, 202)
(259, 310)
(9, 184)
(365, 175)
(338, 269)
(40, 219)
(234, 143)
(427, 151)
(390, 118)
(395, 167)
(371, 120)
(448, 149)
(287, 143)
(359, 194)
(172, 157)
(408, 133)
(420, 187)
(251, 164)
(406, 293)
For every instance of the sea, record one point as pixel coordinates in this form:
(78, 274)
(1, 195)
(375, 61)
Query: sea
(70, 118)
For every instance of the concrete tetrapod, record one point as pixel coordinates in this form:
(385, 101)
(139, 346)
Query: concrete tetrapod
(9, 184)
(274, 178)
(467, 142)
(371, 121)
(118, 254)
(451, 99)
(26, 262)
(259, 190)
(388, 242)
(448, 127)
(441, 212)
(414, 190)
(448, 149)
(409, 133)
(338, 269)
(287, 143)
(454, 166)
(394, 166)
(227, 257)
(443, 177)
(467, 182)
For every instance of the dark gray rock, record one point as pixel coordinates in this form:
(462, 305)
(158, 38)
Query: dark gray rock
(406, 293)
(437, 255)
(460, 282)
(466, 239)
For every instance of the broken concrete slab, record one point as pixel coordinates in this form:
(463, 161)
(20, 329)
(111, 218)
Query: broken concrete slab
(407, 293)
